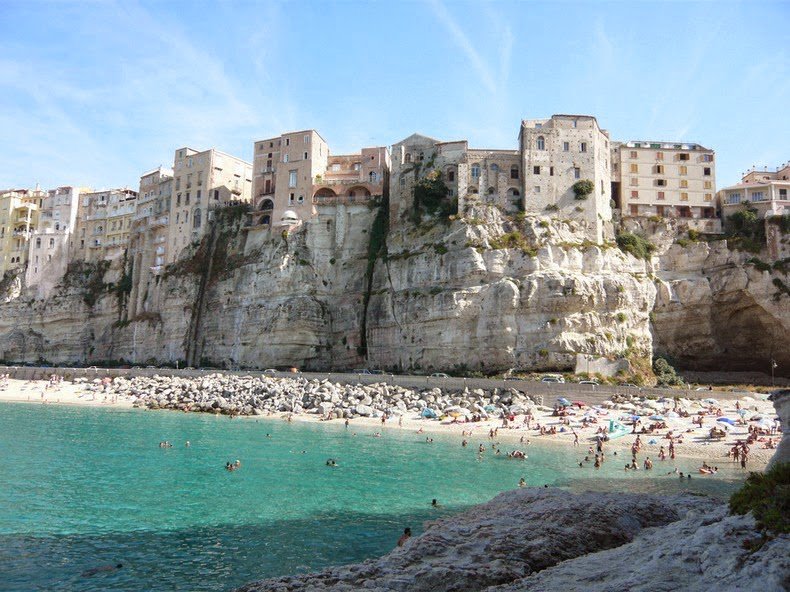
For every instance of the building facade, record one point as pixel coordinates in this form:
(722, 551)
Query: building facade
(294, 174)
(202, 182)
(764, 190)
(49, 245)
(558, 153)
(666, 179)
(19, 214)
(104, 225)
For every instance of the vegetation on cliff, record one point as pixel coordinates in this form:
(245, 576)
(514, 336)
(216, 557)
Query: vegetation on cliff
(638, 246)
(767, 497)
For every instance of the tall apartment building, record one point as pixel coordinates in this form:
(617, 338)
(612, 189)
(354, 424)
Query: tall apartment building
(764, 190)
(294, 174)
(556, 154)
(202, 181)
(667, 179)
(48, 251)
(471, 175)
(19, 212)
(150, 230)
(104, 225)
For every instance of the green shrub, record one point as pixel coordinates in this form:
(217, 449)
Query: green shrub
(746, 230)
(582, 189)
(666, 374)
(543, 352)
(621, 318)
(543, 224)
(759, 264)
(638, 246)
(694, 235)
(440, 248)
(767, 497)
(552, 208)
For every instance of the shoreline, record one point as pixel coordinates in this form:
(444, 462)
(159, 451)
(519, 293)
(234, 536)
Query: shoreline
(695, 445)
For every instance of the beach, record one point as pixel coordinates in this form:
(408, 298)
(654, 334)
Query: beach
(693, 441)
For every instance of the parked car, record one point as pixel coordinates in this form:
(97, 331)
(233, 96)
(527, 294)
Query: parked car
(270, 371)
(553, 378)
(593, 382)
(360, 371)
(376, 371)
(440, 375)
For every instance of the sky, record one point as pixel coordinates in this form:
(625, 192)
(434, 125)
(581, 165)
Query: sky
(97, 93)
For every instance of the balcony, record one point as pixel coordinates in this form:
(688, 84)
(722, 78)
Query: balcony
(160, 250)
(159, 240)
(96, 216)
(160, 221)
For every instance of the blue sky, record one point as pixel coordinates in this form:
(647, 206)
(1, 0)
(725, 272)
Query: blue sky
(97, 93)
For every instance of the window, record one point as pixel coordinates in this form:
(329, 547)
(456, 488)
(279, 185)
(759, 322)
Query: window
(566, 146)
(269, 165)
(514, 172)
(684, 183)
(450, 193)
(551, 171)
(285, 158)
(707, 158)
(186, 217)
(408, 157)
(583, 147)
(491, 191)
(189, 180)
(403, 181)
(495, 168)
(660, 195)
(422, 156)
(575, 123)
(634, 194)
(634, 154)
(177, 216)
(178, 184)
(196, 219)
(200, 178)
(451, 175)
(708, 185)
(291, 198)
(577, 173)
(684, 196)
(305, 156)
(684, 169)
(683, 156)
(634, 168)
(292, 179)
(197, 194)
(186, 199)
(661, 182)
(307, 139)
(634, 210)
(178, 199)
(634, 181)
(541, 143)
(536, 170)
(373, 177)
(538, 125)
(783, 194)
(708, 197)
(38, 243)
(475, 171)
(706, 171)
(357, 166)
(335, 168)
(659, 156)
(735, 198)
(536, 189)
(287, 141)
(757, 196)
(216, 195)
(300, 199)
(659, 169)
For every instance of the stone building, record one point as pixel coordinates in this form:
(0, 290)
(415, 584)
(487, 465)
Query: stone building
(19, 213)
(203, 181)
(666, 179)
(49, 244)
(471, 175)
(104, 225)
(295, 175)
(764, 190)
(559, 152)
(150, 227)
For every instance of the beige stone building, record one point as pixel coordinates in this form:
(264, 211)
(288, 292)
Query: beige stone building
(202, 182)
(556, 154)
(49, 244)
(104, 225)
(150, 233)
(472, 175)
(764, 190)
(19, 213)
(666, 179)
(294, 175)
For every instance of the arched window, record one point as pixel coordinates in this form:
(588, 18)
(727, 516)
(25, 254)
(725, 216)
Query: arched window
(372, 176)
(475, 171)
(514, 172)
(491, 191)
(514, 192)
(267, 204)
(196, 218)
(408, 157)
(474, 190)
(450, 174)
(38, 243)
(541, 143)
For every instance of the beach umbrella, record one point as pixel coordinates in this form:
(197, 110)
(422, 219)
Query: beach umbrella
(490, 408)
(428, 413)
(711, 401)
(765, 423)
(741, 412)
(726, 420)
(673, 415)
(657, 417)
(564, 402)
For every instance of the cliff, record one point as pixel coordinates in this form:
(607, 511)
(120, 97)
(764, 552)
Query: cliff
(482, 291)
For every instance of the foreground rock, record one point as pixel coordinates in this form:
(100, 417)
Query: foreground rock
(514, 535)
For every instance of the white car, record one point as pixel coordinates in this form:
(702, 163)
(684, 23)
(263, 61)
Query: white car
(553, 379)
(440, 375)
(270, 371)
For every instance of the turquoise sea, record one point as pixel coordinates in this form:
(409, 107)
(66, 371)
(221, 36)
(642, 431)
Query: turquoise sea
(85, 487)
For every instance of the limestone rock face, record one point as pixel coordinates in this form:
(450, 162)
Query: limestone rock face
(515, 534)
(781, 401)
(716, 311)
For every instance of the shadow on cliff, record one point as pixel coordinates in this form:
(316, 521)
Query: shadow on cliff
(201, 558)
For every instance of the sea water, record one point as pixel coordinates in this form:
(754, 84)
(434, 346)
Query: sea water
(86, 487)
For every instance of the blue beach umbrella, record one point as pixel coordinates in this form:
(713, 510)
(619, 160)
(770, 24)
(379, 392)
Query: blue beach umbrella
(726, 420)
(428, 413)
(564, 402)
(657, 417)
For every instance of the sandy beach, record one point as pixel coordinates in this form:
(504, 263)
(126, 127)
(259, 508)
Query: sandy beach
(695, 441)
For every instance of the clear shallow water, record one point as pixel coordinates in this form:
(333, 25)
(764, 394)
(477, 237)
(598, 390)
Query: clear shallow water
(82, 487)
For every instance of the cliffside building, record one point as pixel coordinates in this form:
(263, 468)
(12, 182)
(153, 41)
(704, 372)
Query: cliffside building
(556, 154)
(104, 225)
(49, 244)
(765, 190)
(19, 213)
(203, 181)
(666, 179)
(294, 174)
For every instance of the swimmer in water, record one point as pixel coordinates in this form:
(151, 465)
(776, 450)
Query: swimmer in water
(522, 482)
(102, 568)
(434, 503)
